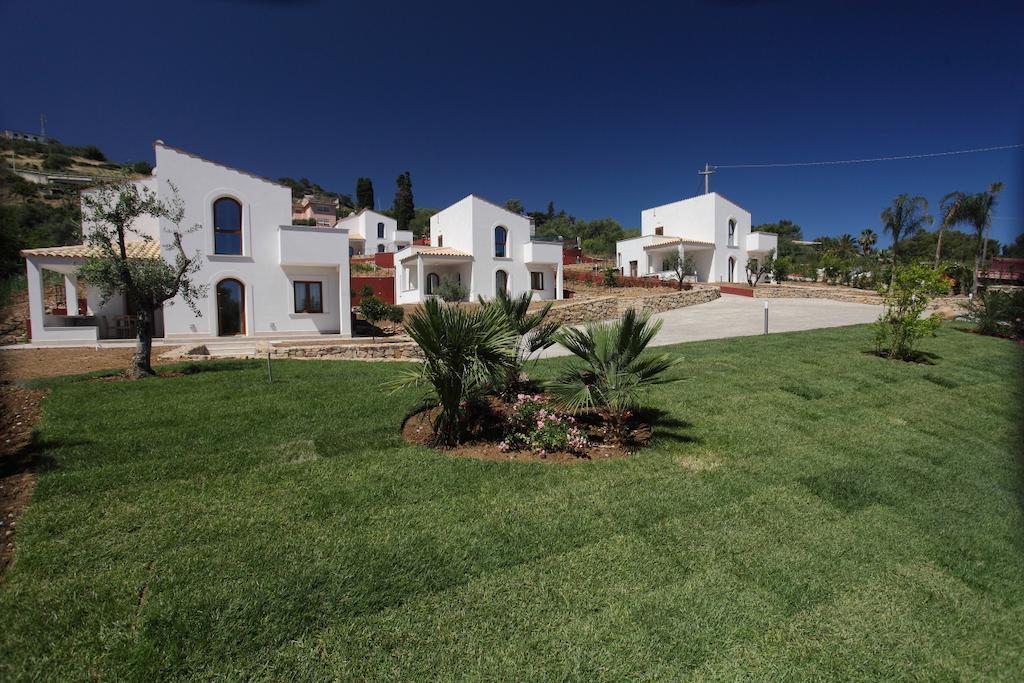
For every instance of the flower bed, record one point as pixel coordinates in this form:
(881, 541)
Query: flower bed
(528, 429)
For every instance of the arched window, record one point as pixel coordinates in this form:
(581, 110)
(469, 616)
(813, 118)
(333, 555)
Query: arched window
(732, 268)
(230, 307)
(227, 226)
(732, 234)
(432, 282)
(500, 282)
(380, 248)
(440, 240)
(380, 231)
(500, 238)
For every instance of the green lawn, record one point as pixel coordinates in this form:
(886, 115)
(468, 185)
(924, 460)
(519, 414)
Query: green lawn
(806, 511)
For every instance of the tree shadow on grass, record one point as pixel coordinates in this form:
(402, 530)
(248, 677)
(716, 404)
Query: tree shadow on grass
(917, 357)
(665, 426)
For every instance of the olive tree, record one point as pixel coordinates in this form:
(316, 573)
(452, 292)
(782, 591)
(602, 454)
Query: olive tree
(111, 214)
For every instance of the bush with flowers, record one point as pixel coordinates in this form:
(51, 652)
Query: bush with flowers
(533, 425)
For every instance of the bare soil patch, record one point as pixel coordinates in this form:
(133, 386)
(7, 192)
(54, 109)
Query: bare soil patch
(486, 434)
(19, 411)
(22, 364)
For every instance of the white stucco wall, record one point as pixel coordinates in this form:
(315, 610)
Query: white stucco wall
(266, 206)
(365, 223)
(704, 218)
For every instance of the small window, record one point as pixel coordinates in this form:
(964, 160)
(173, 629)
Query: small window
(660, 230)
(227, 226)
(500, 281)
(732, 234)
(308, 297)
(500, 238)
(537, 281)
(380, 248)
(440, 240)
(380, 231)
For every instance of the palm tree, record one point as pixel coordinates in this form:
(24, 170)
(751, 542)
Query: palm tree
(977, 210)
(951, 207)
(846, 246)
(532, 333)
(905, 218)
(464, 352)
(867, 240)
(611, 371)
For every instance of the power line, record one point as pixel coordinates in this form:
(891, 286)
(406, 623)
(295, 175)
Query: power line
(865, 161)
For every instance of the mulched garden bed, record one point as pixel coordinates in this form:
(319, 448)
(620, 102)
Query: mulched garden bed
(484, 437)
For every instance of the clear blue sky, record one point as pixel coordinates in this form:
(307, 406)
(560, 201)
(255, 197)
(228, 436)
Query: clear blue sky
(606, 108)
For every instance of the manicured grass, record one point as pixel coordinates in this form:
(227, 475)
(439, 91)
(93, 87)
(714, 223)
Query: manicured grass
(806, 511)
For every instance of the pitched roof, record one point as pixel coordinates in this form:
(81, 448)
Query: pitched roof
(437, 251)
(139, 249)
(662, 241)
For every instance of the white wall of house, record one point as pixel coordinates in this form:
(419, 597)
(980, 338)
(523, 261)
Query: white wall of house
(272, 256)
(366, 224)
(469, 226)
(705, 218)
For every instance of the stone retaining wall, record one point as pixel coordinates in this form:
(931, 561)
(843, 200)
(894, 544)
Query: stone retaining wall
(609, 307)
(371, 351)
(857, 296)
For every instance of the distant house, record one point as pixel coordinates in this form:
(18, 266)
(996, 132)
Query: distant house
(1004, 270)
(22, 135)
(264, 276)
(374, 233)
(323, 210)
(714, 230)
(486, 248)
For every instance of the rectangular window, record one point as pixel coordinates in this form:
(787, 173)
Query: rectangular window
(380, 231)
(537, 281)
(308, 297)
(659, 231)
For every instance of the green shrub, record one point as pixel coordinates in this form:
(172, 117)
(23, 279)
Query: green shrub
(610, 371)
(93, 153)
(464, 352)
(396, 314)
(56, 162)
(998, 313)
(610, 277)
(142, 168)
(901, 325)
(373, 311)
(451, 291)
(781, 268)
(533, 425)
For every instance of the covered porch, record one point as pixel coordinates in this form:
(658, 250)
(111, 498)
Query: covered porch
(421, 270)
(659, 252)
(83, 317)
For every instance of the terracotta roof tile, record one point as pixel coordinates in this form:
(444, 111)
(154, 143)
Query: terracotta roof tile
(137, 249)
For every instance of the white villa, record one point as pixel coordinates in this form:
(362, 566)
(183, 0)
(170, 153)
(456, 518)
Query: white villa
(265, 276)
(714, 230)
(485, 247)
(370, 232)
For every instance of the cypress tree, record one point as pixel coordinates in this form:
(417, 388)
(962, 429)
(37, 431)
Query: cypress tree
(364, 194)
(405, 210)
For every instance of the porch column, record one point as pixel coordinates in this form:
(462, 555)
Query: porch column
(682, 257)
(558, 280)
(71, 294)
(36, 309)
(420, 278)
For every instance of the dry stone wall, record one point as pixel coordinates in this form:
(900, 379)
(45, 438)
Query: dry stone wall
(858, 296)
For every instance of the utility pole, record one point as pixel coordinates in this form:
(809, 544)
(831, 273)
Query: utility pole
(42, 126)
(707, 177)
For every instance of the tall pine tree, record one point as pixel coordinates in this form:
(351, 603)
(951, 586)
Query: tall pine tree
(364, 194)
(405, 210)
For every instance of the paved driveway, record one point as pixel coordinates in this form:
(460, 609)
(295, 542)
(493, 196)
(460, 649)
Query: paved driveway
(741, 316)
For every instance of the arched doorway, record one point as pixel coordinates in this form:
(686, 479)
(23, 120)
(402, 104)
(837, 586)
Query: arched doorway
(230, 307)
(432, 282)
(732, 269)
(500, 282)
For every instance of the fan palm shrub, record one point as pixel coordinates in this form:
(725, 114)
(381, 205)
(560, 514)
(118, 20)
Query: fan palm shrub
(465, 352)
(532, 333)
(610, 371)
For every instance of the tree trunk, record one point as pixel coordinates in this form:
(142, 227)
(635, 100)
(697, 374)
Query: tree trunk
(938, 248)
(141, 366)
(977, 269)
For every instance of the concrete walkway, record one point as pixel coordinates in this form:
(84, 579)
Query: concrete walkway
(741, 316)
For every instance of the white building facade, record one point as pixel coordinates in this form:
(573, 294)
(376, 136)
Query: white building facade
(710, 228)
(263, 275)
(370, 232)
(486, 248)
